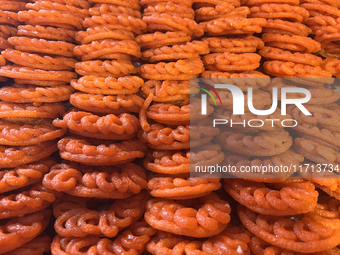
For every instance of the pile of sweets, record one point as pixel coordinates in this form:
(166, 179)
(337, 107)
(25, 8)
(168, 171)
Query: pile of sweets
(97, 138)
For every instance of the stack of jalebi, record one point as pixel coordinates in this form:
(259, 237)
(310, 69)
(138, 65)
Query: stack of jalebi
(135, 73)
(327, 33)
(103, 126)
(288, 48)
(8, 25)
(324, 21)
(38, 55)
(183, 205)
(231, 41)
(104, 191)
(165, 116)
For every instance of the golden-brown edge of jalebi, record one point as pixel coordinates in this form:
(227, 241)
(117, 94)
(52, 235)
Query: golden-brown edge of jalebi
(279, 11)
(162, 137)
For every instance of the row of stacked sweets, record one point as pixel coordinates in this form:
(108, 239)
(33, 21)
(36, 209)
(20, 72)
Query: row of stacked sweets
(9, 20)
(8, 24)
(269, 210)
(97, 155)
(324, 22)
(320, 142)
(266, 208)
(181, 205)
(28, 108)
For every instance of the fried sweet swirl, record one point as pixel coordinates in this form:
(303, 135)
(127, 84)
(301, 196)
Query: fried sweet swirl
(105, 182)
(18, 135)
(40, 62)
(200, 217)
(108, 85)
(174, 23)
(181, 186)
(233, 25)
(29, 201)
(242, 44)
(292, 197)
(232, 62)
(45, 17)
(11, 156)
(290, 69)
(27, 73)
(106, 68)
(19, 93)
(99, 152)
(167, 91)
(77, 221)
(304, 234)
(24, 175)
(20, 230)
(133, 240)
(12, 111)
(121, 127)
(232, 241)
(42, 46)
(108, 49)
(179, 70)
(116, 104)
(189, 50)
(158, 39)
